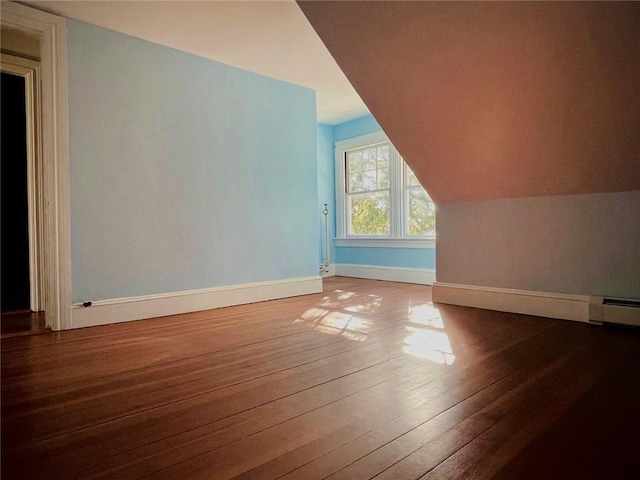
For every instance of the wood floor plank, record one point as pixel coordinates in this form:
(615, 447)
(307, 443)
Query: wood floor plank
(455, 385)
(610, 437)
(484, 455)
(406, 388)
(379, 449)
(165, 397)
(512, 410)
(368, 378)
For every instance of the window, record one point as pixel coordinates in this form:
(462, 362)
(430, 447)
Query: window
(420, 210)
(367, 174)
(379, 199)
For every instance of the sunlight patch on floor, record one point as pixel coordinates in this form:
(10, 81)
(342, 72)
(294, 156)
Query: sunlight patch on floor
(427, 338)
(351, 301)
(336, 313)
(425, 314)
(334, 320)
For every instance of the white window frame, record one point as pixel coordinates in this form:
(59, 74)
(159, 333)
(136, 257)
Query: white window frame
(399, 236)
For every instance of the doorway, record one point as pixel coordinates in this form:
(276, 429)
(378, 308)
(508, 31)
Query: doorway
(49, 34)
(16, 292)
(22, 208)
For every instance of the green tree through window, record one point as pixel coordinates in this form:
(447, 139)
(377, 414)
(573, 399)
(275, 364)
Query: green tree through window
(378, 195)
(368, 190)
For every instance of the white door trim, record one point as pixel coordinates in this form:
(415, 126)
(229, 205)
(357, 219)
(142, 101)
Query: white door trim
(29, 70)
(52, 31)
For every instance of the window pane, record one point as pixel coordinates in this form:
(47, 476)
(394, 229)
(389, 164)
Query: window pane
(370, 181)
(422, 212)
(369, 158)
(383, 178)
(411, 177)
(355, 161)
(382, 155)
(355, 182)
(368, 169)
(370, 214)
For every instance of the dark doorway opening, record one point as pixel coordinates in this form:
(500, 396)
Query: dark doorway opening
(15, 218)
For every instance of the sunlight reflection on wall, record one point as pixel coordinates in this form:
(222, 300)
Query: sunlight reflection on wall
(427, 339)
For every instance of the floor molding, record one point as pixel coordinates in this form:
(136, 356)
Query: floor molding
(541, 304)
(423, 276)
(118, 310)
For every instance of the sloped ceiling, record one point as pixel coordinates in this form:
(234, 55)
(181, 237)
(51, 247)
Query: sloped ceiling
(497, 100)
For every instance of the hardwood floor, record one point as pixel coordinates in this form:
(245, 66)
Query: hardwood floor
(13, 324)
(365, 380)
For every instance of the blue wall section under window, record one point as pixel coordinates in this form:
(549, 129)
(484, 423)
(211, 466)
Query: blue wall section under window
(387, 257)
(185, 173)
(378, 256)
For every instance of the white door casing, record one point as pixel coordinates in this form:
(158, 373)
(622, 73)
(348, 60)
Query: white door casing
(29, 70)
(52, 32)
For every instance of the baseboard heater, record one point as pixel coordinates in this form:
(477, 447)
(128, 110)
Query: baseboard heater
(614, 310)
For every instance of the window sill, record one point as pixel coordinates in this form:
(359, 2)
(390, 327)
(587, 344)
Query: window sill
(386, 242)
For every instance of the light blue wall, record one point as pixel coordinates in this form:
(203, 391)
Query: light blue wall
(355, 128)
(378, 256)
(387, 257)
(185, 173)
(326, 188)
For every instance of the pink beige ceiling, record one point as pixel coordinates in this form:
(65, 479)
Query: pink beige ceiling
(498, 100)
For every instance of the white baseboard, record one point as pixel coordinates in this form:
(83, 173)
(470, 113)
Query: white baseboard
(118, 310)
(541, 304)
(423, 276)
